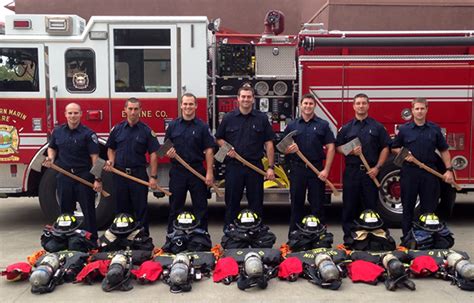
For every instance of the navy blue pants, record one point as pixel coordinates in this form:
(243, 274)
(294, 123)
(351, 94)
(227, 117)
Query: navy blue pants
(359, 193)
(238, 177)
(415, 182)
(132, 197)
(303, 179)
(182, 180)
(70, 191)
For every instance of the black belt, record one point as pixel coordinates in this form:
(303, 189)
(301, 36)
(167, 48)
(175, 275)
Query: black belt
(130, 170)
(76, 170)
(357, 166)
(302, 164)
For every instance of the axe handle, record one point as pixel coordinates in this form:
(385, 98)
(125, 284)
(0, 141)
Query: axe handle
(434, 172)
(79, 179)
(138, 180)
(197, 174)
(317, 172)
(255, 168)
(367, 167)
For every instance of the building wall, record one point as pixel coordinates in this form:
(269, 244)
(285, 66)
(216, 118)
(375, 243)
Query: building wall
(247, 16)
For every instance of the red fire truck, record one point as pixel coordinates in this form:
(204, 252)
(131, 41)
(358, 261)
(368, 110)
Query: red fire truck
(47, 61)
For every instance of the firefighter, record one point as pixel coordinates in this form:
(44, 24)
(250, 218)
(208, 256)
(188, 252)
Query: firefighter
(422, 138)
(359, 191)
(75, 147)
(128, 143)
(193, 142)
(249, 131)
(313, 135)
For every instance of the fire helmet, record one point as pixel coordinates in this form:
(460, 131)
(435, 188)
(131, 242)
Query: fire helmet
(185, 221)
(123, 224)
(65, 224)
(310, 224)
(247, 219)
(429, 222)
(369, 220)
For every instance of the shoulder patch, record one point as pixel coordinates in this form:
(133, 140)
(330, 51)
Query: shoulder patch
(95, 139)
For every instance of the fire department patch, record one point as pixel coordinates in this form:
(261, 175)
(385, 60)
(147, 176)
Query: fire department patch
(9, 140)
(95, 139)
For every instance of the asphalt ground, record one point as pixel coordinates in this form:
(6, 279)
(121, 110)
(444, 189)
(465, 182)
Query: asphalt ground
(21, 222)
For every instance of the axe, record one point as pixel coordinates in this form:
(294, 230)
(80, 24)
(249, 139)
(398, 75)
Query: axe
(96, 170)
(226, 147)
(36, 166)
(286, 142)
(404, 152)
(166, 147)
(349, 146)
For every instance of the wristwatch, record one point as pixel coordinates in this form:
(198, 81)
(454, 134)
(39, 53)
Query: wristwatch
(98, 179)
(450, 168)
(271, 166)
(154, 177)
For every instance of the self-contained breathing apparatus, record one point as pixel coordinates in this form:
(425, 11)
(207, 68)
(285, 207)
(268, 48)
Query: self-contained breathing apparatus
(397, 275)
(254, 272)
(47, 274)
(119, 274)
(461, 271)
(324, 272)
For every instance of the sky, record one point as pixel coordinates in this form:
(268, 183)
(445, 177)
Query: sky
(4, 11)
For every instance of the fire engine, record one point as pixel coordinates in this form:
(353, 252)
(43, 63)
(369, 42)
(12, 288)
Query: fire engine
(48, 61)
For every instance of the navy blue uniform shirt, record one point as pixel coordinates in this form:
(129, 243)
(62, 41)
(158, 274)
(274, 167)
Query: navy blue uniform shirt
(311, 137)
(131, 143)
(372, 136)
(190, 139)
(74, 146)
(247, 133)
(422, 141)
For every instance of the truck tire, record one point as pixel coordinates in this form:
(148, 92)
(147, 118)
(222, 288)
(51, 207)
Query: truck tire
(48, 199)
(390, 203)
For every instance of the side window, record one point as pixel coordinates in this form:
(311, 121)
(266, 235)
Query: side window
(80, 70)
(19, 70)
(142, 60)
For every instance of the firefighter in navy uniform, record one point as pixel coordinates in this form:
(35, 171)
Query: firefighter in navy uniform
(313, 135)
(128, 143)
(193, 142)
(249, 131)
(359, 191)
(75, 147)
(422, 138)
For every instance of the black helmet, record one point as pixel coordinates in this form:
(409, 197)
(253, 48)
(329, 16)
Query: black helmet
(65, 224)
(185, 221)
(429, 222)
(123, 224)
(369, 220)
(247, 219)
(311, 225)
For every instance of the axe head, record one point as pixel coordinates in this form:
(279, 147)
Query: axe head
(222, 152)
(285, 142)
(349, 146)
(97, 168)
(36, 165)
(164, 148)
(398, 161)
